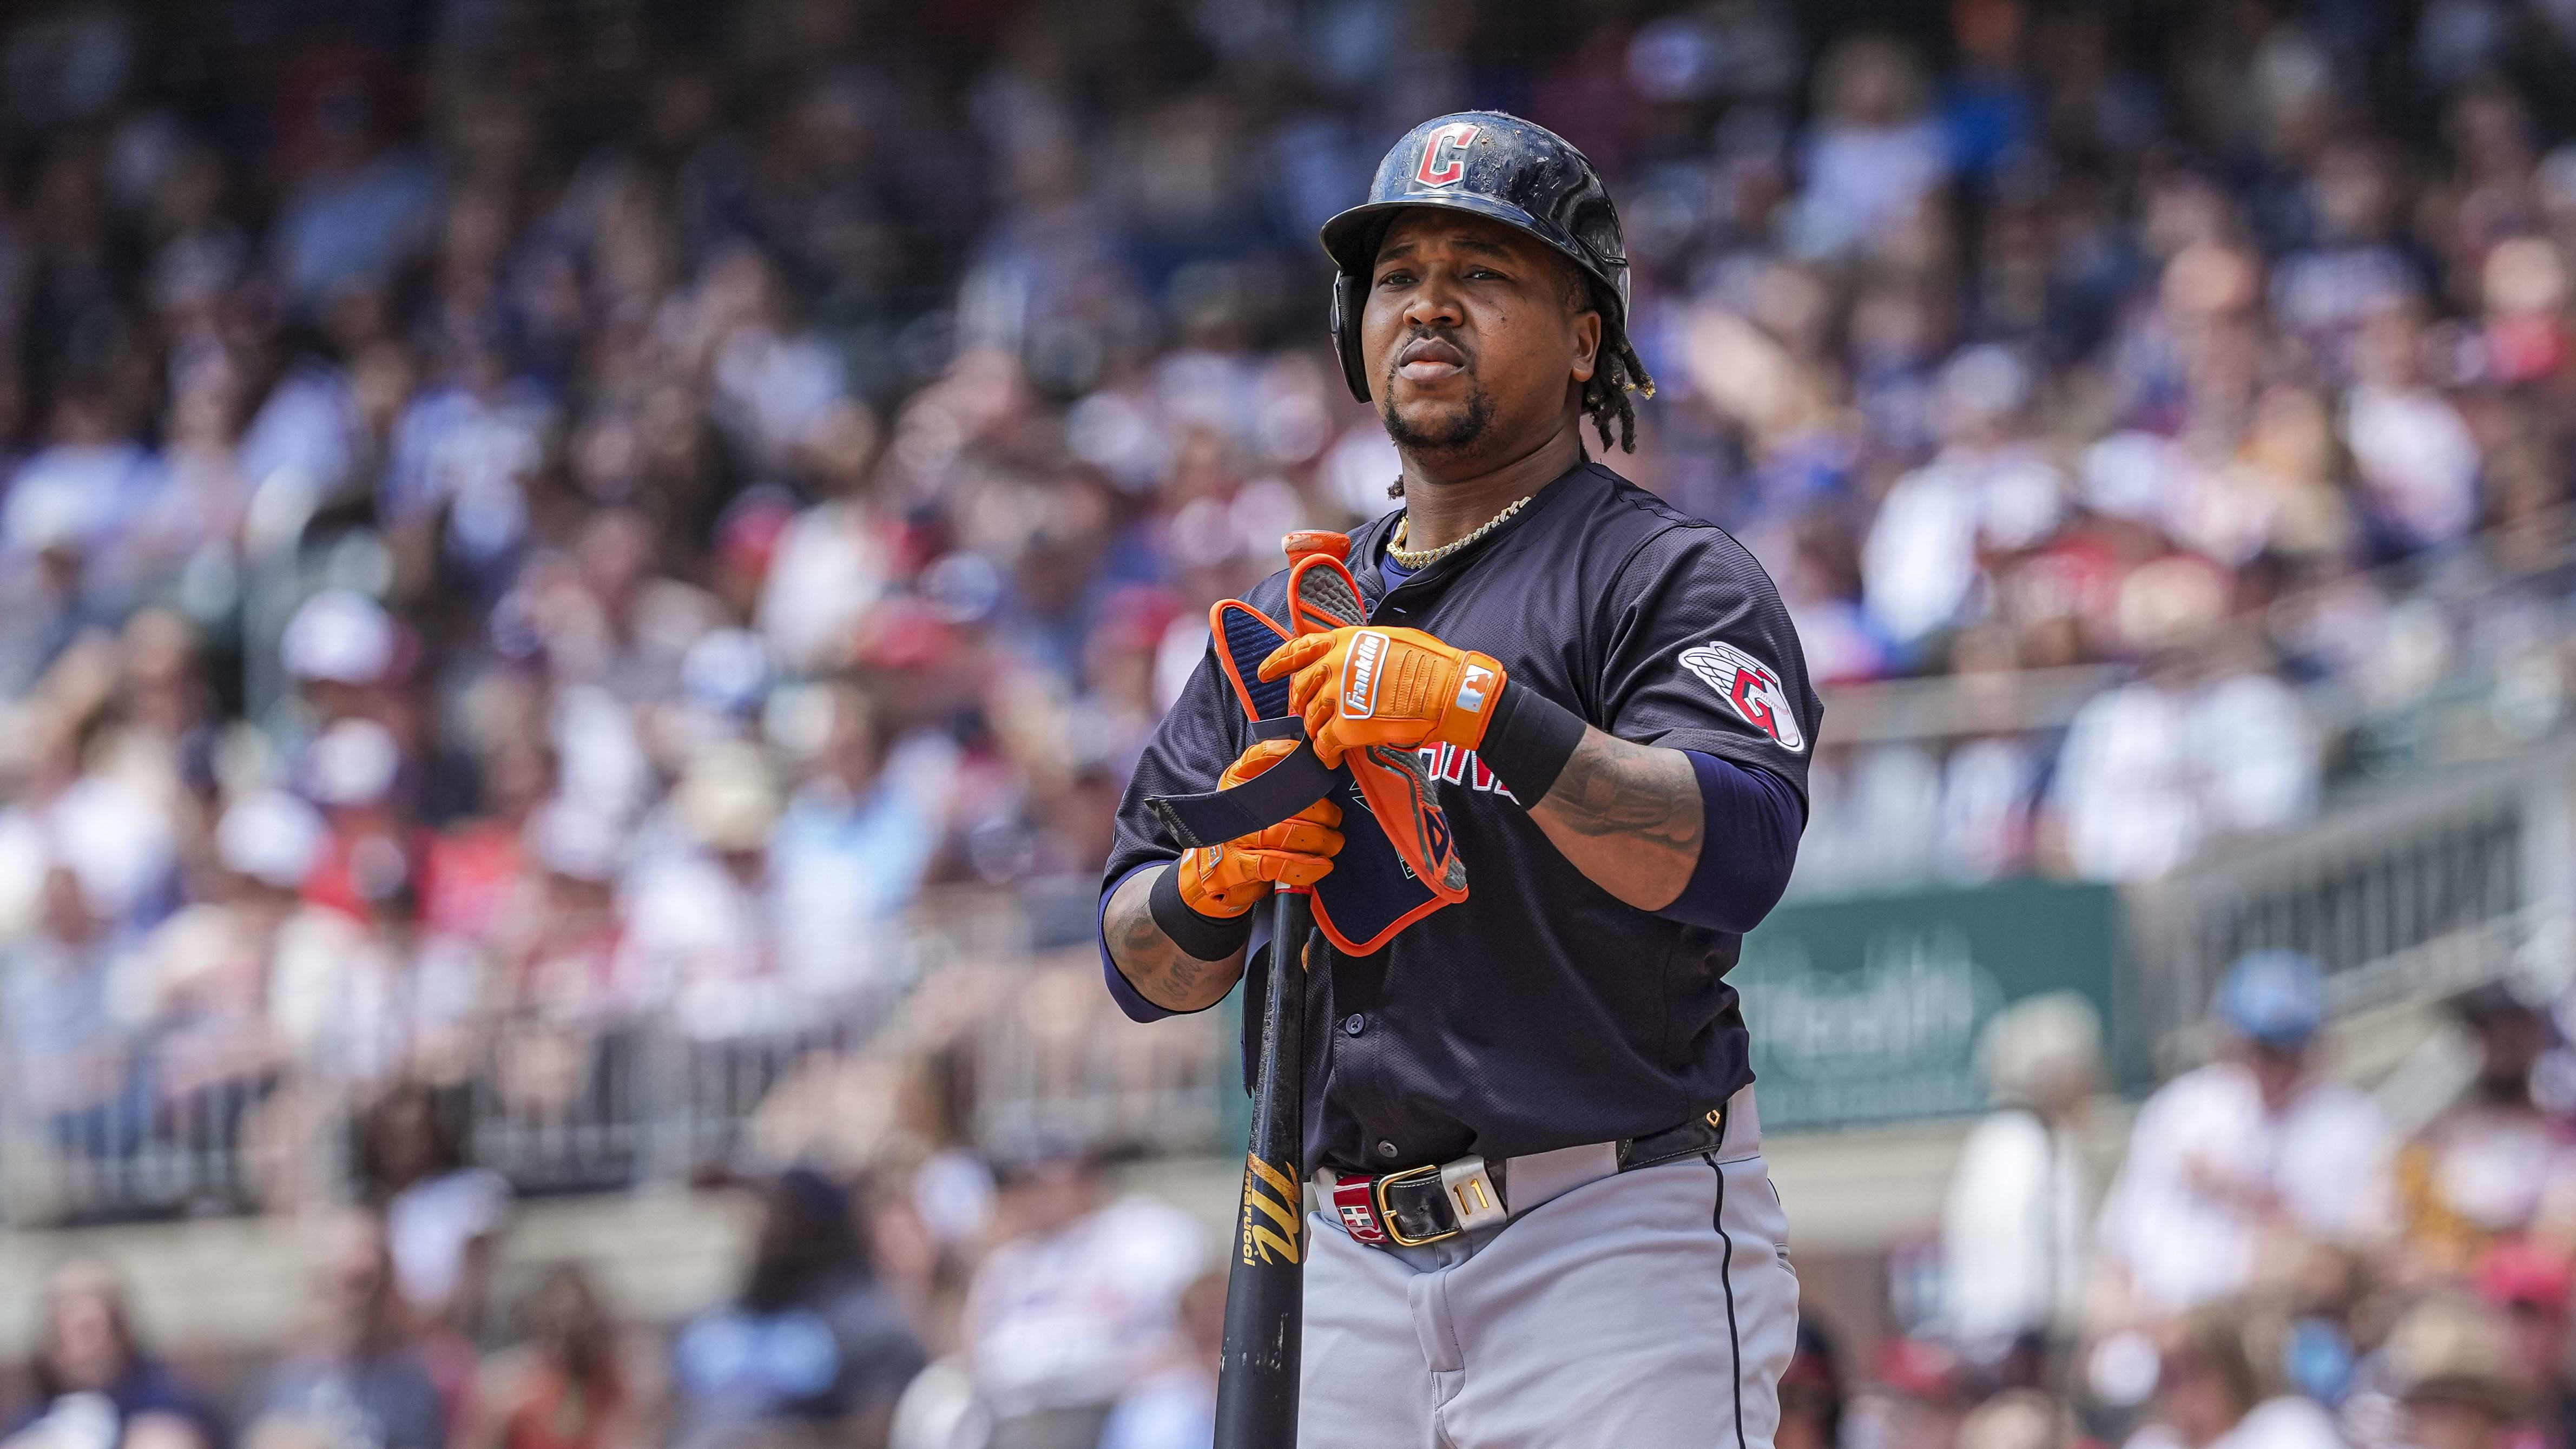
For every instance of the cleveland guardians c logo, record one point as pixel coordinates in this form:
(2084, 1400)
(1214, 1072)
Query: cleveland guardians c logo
(1444, 154)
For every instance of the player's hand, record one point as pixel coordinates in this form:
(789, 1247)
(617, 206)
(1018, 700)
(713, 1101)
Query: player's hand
(1227, 880)
(1360, 686)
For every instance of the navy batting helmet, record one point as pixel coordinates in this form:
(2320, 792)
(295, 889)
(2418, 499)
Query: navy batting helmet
(1493, 165)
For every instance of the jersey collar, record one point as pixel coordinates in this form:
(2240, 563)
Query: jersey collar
(1369, 547)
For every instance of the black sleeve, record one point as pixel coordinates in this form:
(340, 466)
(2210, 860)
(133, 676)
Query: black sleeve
(1699, 655)
(1200, 735)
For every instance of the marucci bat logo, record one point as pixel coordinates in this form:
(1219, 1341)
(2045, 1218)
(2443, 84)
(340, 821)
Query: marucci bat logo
(1753, 687)
(1276, 1194)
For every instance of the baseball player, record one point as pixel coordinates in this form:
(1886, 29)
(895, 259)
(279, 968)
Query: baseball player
(1543, 1215)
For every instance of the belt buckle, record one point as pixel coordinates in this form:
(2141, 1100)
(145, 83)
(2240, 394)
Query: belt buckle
(1386, 1215)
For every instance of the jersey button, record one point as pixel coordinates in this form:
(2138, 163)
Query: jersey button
(1385, 1148)
(1354, 1024)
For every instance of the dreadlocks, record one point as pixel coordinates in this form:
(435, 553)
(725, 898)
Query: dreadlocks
(1616, 373)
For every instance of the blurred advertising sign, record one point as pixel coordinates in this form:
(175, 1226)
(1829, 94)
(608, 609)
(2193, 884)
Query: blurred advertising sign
(1866, 1009)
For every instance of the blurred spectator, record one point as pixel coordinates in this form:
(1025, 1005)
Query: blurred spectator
(199, 986)
(559, 953)
(357, 988)
(442, 1218)
(809, 1339)
(2012, 1231)
(2015, 1419)
(1918, 1394)
(1811, 1394)
(2211, 1394)
(2493, 1165)
(357, 1380)
(2454, 1374)
(2200, 748)
(849, 852)
(1076, 1299)
(1875, 152)
(95, 1387)
(338, 647)
(73, 1070)
(2246, 1154)
(1989, 495)
(2530, 1287)
(209, 960)
(567, 1386)
(698, 929)
(1174, 1407)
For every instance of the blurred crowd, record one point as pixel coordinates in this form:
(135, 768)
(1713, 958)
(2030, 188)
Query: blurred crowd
(2271, 1260)
(529, 534)
(1035, 1309)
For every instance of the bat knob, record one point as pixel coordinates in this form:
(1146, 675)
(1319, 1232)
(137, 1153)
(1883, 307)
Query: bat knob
(1316, 540)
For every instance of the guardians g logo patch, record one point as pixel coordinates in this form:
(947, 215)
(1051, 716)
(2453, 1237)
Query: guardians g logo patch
(1753, 687)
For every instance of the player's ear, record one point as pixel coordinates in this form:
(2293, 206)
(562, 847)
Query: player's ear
(1587, 344)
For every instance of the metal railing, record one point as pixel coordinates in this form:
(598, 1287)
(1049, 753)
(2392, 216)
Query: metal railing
(2460, 877)
(608, 1105)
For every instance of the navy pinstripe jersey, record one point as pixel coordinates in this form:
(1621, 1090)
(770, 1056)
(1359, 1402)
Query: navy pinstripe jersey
(1541, 1012)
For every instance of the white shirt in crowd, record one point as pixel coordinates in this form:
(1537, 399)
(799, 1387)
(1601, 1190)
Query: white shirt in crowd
(2210, 1171)
(1074, 1317)
(1919, 567)
(2149, 772)
(430, 1224)
(2012, 1231)
(2283, 1423)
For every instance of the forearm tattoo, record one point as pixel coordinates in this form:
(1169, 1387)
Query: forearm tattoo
(1165, 974)
(1628, 816)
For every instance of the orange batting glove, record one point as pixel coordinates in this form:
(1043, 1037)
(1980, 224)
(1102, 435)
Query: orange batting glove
(1359, 686)
(1227, 880)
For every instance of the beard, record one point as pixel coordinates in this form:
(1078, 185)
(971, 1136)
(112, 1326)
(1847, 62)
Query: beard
(1457, 434)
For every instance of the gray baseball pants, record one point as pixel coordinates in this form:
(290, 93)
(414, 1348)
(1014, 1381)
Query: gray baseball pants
(1653, 1309)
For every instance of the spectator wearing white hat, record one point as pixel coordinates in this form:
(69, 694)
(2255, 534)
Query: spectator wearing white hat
(339, 648)
(560, 958)
(2252, 1150)
(556, 956)
(352, 661)
(2451, 1363)
(351, 771)
(200, 982)
(358, 985)
(699, 931)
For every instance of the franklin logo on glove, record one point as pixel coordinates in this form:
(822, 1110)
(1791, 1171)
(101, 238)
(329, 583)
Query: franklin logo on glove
(1359, 674)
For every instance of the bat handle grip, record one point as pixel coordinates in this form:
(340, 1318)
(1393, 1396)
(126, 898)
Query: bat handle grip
(1256, 1400)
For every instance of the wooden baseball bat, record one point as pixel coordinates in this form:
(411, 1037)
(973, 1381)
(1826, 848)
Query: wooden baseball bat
(1265, 1290)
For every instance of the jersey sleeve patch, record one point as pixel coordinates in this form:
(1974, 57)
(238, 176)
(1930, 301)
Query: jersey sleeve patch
(1752, 687)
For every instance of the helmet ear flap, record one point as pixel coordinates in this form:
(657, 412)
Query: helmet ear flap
(1346, 333)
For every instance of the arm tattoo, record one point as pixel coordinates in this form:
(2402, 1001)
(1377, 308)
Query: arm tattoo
(1628, 816)
(1163, 973)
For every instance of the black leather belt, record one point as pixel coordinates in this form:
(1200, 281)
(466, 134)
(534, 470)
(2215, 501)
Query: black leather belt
(1438, 1201)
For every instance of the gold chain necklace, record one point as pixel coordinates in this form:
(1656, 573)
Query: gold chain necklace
(1413, 562)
